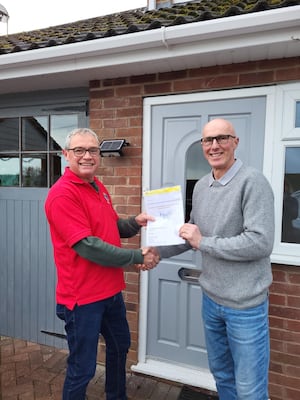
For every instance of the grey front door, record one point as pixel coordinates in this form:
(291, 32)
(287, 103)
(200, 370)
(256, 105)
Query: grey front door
(174, 326)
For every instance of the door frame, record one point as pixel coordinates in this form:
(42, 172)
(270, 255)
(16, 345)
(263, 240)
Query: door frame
(189, 375)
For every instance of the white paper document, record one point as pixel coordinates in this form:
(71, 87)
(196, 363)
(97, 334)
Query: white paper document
(166, 206)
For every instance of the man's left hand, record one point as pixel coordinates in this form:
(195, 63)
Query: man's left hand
(192, 234)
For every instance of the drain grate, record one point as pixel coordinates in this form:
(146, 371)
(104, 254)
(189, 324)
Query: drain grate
(188, 393)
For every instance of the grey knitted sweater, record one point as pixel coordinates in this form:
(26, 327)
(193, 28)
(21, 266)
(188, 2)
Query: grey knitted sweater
(236, 218)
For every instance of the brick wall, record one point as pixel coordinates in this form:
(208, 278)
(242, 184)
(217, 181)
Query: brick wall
(116, 111)
(285, 333)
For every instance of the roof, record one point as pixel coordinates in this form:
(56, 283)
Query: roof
(133, 21)
(139, 42)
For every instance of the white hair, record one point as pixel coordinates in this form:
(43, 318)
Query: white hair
(80, 131)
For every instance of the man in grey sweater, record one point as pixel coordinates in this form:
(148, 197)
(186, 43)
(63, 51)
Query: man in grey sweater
(232, 224)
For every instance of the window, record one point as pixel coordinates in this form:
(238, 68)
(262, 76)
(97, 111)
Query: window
(297, 121)
(290, 232)
(31, 148)
(286, 174)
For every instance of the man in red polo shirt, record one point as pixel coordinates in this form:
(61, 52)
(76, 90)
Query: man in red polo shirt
(85, 232)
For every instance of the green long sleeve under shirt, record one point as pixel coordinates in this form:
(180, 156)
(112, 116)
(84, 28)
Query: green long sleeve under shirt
(100, 252)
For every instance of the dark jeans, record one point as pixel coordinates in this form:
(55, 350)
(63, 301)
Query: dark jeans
(83, 326)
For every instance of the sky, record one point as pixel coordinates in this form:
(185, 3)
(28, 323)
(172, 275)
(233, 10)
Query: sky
(26, 15)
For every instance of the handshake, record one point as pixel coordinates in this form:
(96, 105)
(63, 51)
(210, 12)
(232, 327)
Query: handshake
(188, 232)
(151, 259)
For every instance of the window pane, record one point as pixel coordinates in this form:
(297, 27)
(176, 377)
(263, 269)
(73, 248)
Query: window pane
(9, 134)
(34, 171)
(297, 122)
(291, 197)
(61, 125)
(57, 166)
(34, 136)
(9, 171)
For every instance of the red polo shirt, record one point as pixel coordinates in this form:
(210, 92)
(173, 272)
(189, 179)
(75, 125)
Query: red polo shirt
(74, 211)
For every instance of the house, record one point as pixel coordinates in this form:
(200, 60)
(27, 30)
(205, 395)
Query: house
(152, 77)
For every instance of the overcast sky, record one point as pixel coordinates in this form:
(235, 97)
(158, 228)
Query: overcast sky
(26, 15)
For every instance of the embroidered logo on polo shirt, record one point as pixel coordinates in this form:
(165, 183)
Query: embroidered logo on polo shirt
(106, 197)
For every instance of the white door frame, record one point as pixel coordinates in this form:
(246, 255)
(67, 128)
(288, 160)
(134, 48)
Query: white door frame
(190, 375)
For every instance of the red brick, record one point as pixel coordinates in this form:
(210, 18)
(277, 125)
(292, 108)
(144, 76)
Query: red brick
(115, 81)
(128, 112)
(115, 123)
(129, 91)
(288, 74)
(255, 78)
(293, 301)
(278, 299)
(158, 88)
(143, 78)
(172, 75)
(294, 278)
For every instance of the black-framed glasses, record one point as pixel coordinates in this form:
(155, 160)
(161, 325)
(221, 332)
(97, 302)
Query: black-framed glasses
(81, 151)
(221, 139)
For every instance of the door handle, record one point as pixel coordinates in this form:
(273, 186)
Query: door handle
(189, 274)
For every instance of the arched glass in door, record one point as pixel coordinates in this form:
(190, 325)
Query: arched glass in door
(196, 168)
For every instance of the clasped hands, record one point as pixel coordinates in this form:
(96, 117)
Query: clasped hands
(188, 232)
(151, 259)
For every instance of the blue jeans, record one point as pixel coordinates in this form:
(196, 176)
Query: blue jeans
(83, 326)
(238, 349)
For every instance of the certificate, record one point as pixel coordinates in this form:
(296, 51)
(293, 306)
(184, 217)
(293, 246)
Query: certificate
(166, 206)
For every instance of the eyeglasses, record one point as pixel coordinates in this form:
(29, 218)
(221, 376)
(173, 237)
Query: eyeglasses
(221, 139)
(80, 151)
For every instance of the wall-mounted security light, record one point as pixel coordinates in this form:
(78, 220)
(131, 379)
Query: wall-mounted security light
(112, 148)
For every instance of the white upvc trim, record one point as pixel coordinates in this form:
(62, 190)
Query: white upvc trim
(285, 135)
(181, 374)
(207, 96)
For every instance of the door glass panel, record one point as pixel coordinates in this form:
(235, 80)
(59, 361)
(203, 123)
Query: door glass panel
(196, 168)
(34, 171)
(291, 197)
(9, 134)
(9, 171)
(34, 136)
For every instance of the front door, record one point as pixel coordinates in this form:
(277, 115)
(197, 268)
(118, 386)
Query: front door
(174, 326)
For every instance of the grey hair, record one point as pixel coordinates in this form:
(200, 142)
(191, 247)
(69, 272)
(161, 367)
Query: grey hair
(80, 131)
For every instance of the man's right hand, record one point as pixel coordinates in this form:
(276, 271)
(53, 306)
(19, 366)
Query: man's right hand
(151, 258)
